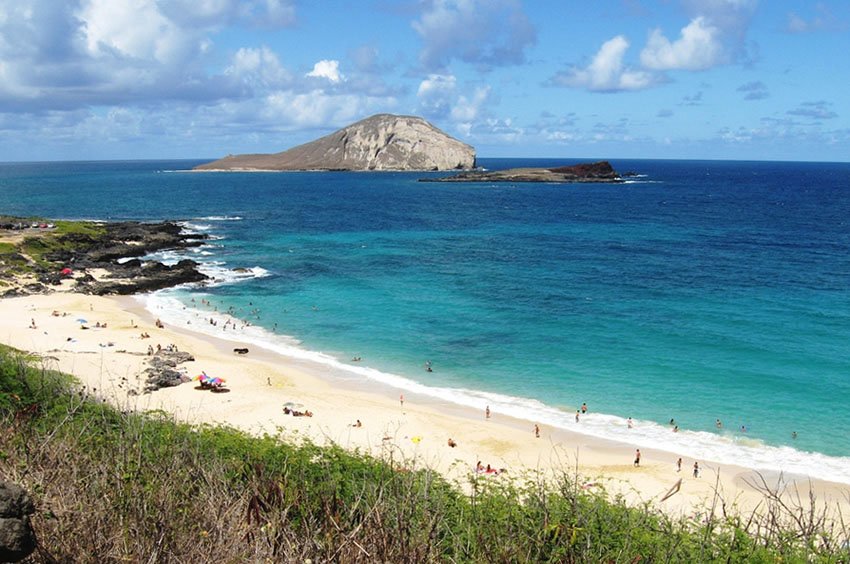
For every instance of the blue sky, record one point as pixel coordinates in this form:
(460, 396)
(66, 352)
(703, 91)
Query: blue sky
(692, 79)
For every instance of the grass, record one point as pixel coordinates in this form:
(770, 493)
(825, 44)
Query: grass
(112, 486)
(40, 251)
(89, 228)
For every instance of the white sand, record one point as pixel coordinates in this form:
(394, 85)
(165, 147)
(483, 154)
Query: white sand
(109, 362)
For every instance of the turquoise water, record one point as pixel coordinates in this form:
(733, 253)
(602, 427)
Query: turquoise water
(697, 291)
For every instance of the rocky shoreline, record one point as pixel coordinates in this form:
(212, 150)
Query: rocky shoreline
(601, 171)
(39, 257)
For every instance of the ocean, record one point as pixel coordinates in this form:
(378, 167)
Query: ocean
(696, 291)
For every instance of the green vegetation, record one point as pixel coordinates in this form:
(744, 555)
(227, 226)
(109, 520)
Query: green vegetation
(112, 486)
(89, 228)
(45, 250)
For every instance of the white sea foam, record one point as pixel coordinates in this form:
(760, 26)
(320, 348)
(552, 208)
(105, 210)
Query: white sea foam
(703, 446)
(220, 274)
(193, 227)
(220, 218)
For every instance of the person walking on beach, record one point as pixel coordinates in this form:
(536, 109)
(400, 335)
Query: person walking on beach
(487, 412)
(401, 399)
(679, 465)
(577, 413)
(696, 469)
(637, 458)
(630, 423)
(536, 431)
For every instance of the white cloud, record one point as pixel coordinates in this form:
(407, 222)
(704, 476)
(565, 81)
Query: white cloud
(216, 13)
(435, 94)
(259, 69)
(82, 53)
(492, 130)
(606, 72)
(822, 20)
(436, 85)
(467, 108)
(439, 99)
(133, 29)
(481, 32)
(697, 48)
(327, 69)
(277, 13)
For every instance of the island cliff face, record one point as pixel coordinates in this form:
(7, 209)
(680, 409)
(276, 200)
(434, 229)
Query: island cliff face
(380, 142)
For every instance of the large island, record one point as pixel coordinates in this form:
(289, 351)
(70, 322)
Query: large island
(380, 142)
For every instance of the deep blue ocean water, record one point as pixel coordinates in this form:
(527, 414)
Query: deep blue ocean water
(698, 290)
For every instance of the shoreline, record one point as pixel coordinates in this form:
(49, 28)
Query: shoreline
(417, 431)
(727, 447)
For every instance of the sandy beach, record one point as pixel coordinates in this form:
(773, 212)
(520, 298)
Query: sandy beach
(99, 341)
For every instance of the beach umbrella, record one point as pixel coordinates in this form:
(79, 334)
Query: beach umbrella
(293, 405)
(81, 320)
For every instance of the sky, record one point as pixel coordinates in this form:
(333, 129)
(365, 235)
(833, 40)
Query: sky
(677, 79)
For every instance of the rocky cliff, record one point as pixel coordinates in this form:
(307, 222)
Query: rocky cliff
(380, 142)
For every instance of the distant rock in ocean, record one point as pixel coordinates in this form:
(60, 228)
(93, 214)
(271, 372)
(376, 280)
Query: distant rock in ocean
(601, 171)
(380, 142)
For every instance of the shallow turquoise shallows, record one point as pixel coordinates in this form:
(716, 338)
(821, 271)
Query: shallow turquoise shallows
(696, 291)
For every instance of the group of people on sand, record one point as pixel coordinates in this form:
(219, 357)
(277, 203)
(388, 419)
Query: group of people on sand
(678, 464)
(481, 469)
(296, 413)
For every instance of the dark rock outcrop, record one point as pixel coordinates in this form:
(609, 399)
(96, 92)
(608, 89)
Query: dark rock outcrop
(380, 142)
(17, 538)
(143, 277)
(601, 171)
(69, 255)
(162, 370)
